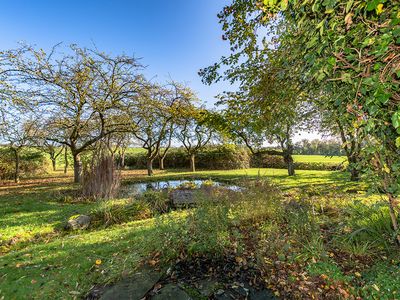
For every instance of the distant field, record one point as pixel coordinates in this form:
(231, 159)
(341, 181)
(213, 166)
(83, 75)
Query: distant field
(319, 159)
(133, 150)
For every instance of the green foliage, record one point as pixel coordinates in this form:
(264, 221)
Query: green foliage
(157, 201)
(328, 268)
(33, 162)
(381, 281)
(216, 157)
(110, 212)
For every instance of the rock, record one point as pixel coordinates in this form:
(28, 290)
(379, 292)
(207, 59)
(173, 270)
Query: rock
(134, 287)
(261, 295)
(208, 287)
(182, 197)
(78, 222)
(171, 292)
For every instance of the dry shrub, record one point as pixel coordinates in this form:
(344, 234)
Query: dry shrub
(101, 180)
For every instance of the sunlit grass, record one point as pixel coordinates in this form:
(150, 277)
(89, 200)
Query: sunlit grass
(320, 159)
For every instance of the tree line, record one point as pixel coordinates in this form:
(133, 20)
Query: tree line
(78, 99)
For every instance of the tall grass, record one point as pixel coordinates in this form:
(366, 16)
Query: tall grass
(101, 180)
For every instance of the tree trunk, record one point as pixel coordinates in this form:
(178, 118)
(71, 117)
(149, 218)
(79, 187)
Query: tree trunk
(150, 167)
(393, 217)
(16, 174)
(77, 168)
(122, 160)
(65, 160)
(192, 163)
(162, 163)
(53, 163)
(354, 172)
(291, 171)
(288, 159)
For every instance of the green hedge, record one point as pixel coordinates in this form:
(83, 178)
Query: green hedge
(32, 162)
(223, 157)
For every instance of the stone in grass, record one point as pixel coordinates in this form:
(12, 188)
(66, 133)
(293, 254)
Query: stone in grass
(78, 222)
(182, 197)
(135, 287)
(207, 287)
(171, 292)
(262, 294)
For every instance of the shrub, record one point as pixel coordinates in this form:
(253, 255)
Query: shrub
(222, 157)
(157, 201)
(112, 212)
(32, 162)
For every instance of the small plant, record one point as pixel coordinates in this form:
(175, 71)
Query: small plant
(157, 201)
(110, 212)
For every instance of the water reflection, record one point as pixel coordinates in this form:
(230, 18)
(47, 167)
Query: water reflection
(141, 187)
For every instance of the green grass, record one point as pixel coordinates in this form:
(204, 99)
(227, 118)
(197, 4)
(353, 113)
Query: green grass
(319, 159)
(135, 150)
(46, 264)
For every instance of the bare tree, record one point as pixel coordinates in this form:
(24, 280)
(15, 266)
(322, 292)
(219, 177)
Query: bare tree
(81, 94)
(158, 108)
(17, 133)
(193, 133)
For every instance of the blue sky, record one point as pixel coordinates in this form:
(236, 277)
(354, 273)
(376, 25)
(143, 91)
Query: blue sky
(174, 38)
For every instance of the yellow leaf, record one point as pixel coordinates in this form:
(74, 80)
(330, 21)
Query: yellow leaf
(386, 168)
(238, 259)
(375, 287)
(357, 274)
(379, 8)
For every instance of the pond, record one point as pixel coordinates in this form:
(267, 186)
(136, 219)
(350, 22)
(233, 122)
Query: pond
(141, 187)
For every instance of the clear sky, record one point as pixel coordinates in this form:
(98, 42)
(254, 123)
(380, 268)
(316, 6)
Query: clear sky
(174, 38)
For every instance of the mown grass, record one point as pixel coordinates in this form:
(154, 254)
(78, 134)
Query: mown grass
(328, 234)
(320, 159)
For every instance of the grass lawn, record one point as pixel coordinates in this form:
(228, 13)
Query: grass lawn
(37, 261)
(320, 159)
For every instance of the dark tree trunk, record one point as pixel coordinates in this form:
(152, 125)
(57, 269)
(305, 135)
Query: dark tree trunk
(53, 163)
(192, 163)
(65, 160)
(150, 167)
(77, 168)
(354, 172)
(287, 157)
(17, 158)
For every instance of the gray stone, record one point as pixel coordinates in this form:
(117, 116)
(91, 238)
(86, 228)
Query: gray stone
(78, 222)
(182, 197)
(261, 295)
(208, 287)
(171, 292)
(134, 287)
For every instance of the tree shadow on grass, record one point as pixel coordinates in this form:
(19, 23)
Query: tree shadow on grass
(69, 263)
